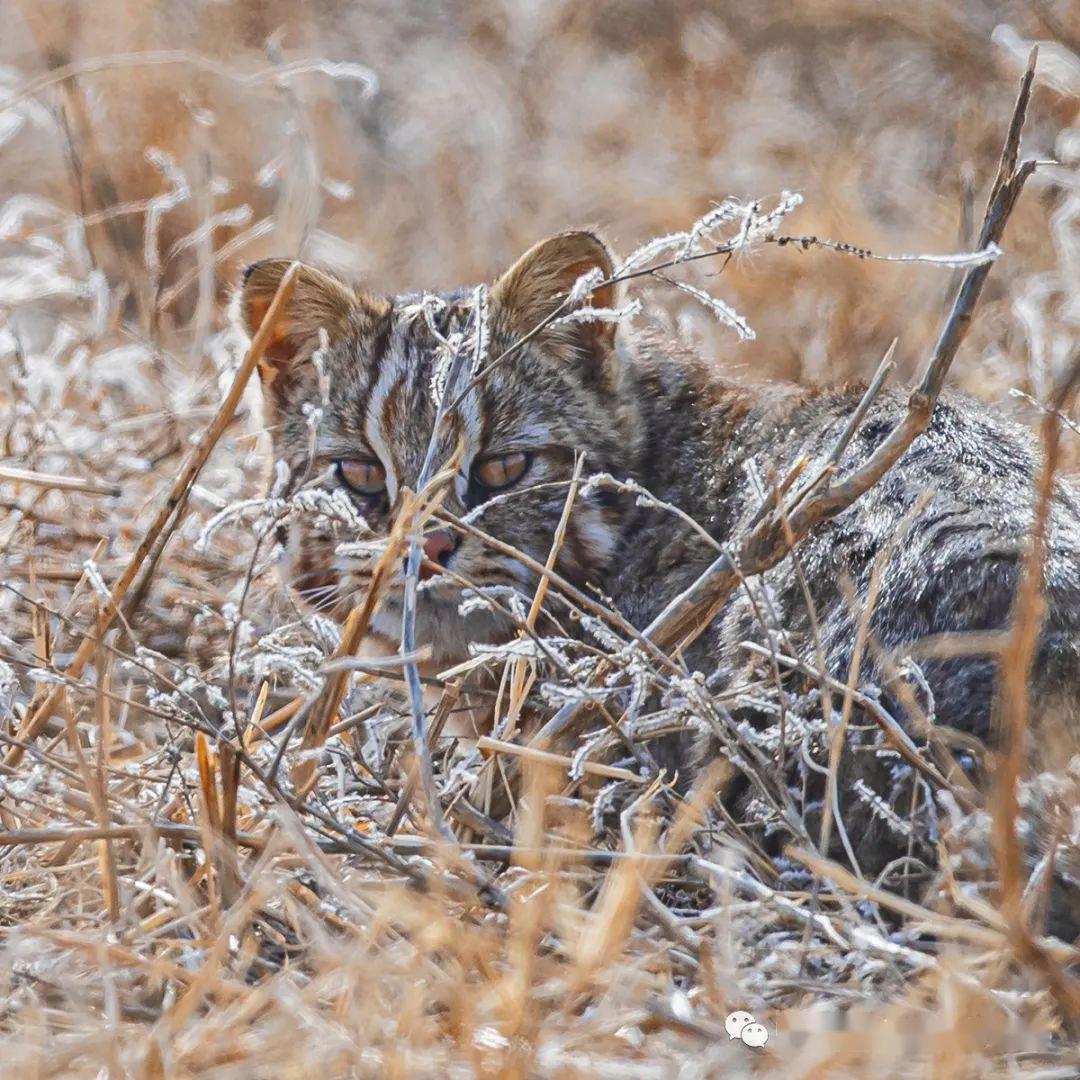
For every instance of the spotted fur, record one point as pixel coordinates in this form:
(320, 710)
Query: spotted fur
(644, 409)
(952, 518)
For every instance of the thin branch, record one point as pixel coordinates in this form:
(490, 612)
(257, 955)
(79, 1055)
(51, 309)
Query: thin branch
(1016, 662)
(58, 483)
(688, 614)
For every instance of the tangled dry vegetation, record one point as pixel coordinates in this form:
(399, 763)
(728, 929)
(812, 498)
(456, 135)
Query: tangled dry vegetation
(221, 851)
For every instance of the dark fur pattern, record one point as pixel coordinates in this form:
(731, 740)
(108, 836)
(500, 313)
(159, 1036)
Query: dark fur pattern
(550, 399)
(951, 519)
(951, 522)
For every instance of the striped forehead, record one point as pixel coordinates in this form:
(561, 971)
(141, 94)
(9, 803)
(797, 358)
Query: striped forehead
(387, 404)
(399, 411)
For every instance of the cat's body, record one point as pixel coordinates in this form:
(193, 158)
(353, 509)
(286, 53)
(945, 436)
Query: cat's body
(946, 528)
(952, 517)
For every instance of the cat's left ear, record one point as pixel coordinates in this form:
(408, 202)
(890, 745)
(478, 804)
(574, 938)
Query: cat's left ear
(542, 279)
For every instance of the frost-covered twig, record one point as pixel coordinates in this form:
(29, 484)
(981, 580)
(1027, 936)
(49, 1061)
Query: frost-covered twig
(689, 613)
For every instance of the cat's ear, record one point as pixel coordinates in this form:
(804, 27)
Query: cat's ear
(542, 279)
(319, 302)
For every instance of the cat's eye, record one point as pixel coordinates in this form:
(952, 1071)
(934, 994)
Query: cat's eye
(501, 471)
(362, 475)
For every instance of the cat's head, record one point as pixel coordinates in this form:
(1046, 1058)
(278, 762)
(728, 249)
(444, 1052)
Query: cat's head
(350, 384)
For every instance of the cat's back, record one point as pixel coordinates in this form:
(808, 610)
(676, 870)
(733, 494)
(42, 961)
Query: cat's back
(948, 524)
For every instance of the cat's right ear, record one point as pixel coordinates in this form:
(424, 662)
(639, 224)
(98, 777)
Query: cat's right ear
(540, 282)
(319, 302)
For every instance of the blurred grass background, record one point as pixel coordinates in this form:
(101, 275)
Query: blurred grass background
(497, 122)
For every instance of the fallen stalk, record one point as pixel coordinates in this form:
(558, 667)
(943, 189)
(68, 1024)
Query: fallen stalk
(51, 481)
(546, 757)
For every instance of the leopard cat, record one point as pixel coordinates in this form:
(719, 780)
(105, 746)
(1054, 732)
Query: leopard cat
(951, 520)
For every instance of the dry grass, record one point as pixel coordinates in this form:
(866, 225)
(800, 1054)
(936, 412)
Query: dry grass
(200, 877)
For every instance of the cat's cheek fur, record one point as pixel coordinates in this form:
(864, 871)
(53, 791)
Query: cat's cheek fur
(597, 530)
(308, 566)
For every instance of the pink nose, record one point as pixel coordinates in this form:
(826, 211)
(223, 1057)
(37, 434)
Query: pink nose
(438, 547)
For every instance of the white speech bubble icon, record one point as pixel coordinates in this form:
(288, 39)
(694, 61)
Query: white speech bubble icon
(735, 1023)
(754, 1034)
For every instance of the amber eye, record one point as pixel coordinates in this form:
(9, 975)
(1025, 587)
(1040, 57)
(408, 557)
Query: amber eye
(363, 476)
(500, 472)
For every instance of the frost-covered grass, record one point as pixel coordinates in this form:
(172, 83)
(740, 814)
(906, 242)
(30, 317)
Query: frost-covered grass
(181, 893)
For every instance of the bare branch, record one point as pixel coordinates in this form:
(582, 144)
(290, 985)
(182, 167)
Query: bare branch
(686, 616)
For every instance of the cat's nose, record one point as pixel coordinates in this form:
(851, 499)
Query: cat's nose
(438, 547)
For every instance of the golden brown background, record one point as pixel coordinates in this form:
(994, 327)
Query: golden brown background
(147, 151)
(497, 122)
